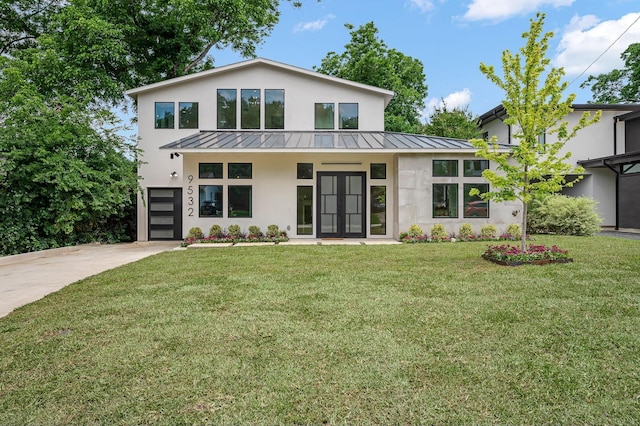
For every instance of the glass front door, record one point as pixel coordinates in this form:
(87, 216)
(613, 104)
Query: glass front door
(341, 204)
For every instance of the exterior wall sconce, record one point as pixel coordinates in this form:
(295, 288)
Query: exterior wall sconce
(175, 154)
(174, 174)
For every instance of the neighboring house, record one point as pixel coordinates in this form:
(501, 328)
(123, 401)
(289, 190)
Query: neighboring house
(608, 150)
(260, 142)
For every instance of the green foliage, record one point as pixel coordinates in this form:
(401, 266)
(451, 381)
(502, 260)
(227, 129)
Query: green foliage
(560, 214)
(465, 231)
(234, 231)
(514, 230)
(489, 231)
(195, 232)
(255, 231)
(618, 85)
(273, 230)
(368, 60)
(415, 231)
(215, 230)
(456, 123)
(438, 232)
(530, 168)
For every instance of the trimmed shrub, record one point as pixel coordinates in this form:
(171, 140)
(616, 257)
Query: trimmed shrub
(489, 231)
(273, 231)
(254, 231)
(215, 231)
(514, 230)
(560, 214)
(234, 231)
(196, 233)
(438, 232)
(465, 231)
(415, 231)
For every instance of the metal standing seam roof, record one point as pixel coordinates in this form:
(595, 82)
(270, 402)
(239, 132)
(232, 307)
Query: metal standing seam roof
(313, 141)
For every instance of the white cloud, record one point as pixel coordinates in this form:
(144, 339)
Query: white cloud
(453, 100)
(499, 10)
(313, 25)
(423, 5)
(586, 38)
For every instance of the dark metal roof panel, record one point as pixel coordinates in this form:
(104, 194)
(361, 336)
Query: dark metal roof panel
(304, 140)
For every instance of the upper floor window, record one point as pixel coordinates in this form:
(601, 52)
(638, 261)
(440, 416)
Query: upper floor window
(348, 116)
(227, 107)
(445, 167)
(474, 168)
(250, 109)
(188, 115)
(324, 116)
(164, 115)
(274, 109)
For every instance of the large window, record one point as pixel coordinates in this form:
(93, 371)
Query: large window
(164, 115)
(348, 116)
(274, 109)
(324, 116)
(474, 168)
(227, 102)
(378, 210)
(240, 201)
(305, 211)
(188, 118)
(210, 200)
(240, 171)
(445, 200)
(210, 170)
(445, 167)
(250, 110)
(474, 206)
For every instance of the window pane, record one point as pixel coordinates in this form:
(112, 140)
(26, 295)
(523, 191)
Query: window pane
(445, 200)
(188, 115)
(445, 167)
(378, 171)
(164, 115)
(240, 171)
(274, 109)
(628, 169)
(305, 210)
(227, 101)
(250, 111)
(305, 171)
(378, 210)
(240, 201)
(210, 170)
(474, 206)
(210, 201)
(474, 168)
(324, 116)
(348, 116)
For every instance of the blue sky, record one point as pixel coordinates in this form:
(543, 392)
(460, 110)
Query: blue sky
(451, 38)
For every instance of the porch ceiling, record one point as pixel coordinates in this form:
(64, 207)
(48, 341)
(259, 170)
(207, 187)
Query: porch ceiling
(317, 141)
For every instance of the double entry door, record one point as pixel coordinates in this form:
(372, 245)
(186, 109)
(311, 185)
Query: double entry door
(341, 205)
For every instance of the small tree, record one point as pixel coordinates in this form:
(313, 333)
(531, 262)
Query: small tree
(451, 123)
(531, 167)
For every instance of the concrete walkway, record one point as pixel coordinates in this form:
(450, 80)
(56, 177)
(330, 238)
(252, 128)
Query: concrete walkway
(25, 278)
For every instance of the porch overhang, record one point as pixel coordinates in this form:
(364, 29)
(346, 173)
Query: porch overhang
(613, 160)
(318, 141)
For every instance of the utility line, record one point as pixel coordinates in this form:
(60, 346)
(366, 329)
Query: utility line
(605, 51)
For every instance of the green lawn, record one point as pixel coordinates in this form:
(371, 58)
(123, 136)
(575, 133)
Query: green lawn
(408, 334)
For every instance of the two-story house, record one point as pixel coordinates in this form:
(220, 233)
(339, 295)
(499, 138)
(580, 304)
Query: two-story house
(261, 142)
(609, 151)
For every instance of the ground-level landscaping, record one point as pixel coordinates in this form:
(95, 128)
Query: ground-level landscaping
(401, 334)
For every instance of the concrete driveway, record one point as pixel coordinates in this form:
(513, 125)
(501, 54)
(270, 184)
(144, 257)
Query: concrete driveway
(28, 277)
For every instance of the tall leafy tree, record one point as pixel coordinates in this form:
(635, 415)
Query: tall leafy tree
(618, 85)
(534, 107)
(451, 123)
(368, 60)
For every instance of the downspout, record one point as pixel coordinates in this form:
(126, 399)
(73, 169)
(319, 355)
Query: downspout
(615, 135)
(617, 193)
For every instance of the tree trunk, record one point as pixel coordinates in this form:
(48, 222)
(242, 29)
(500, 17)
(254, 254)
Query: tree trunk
(523, 239)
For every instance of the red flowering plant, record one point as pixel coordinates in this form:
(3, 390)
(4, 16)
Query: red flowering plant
(509, 254)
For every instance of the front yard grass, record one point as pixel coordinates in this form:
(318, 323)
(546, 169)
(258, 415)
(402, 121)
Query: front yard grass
(407, 334)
